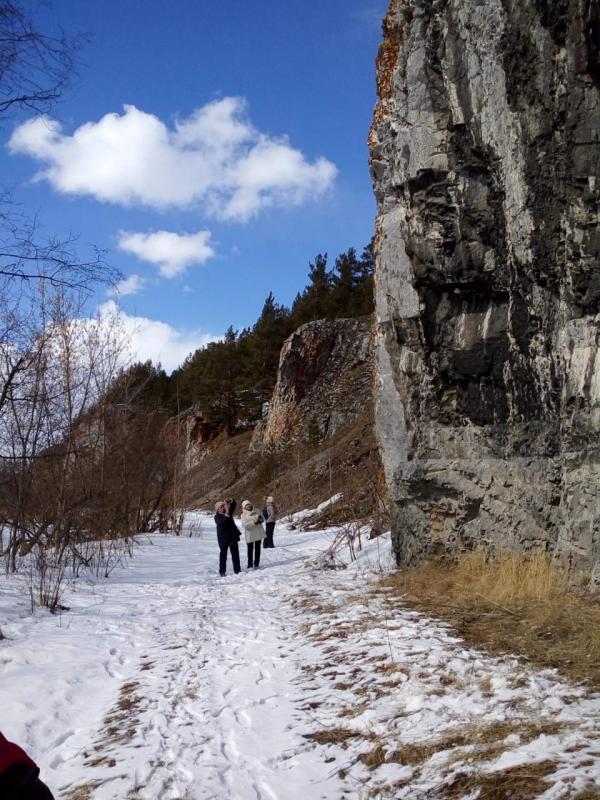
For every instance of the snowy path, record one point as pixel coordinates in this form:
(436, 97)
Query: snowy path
(166, 682)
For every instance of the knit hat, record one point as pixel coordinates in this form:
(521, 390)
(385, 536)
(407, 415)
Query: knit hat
(270, 500)
(246, 503)
(218, 505)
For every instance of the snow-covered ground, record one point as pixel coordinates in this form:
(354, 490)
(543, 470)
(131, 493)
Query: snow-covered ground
(165, 681)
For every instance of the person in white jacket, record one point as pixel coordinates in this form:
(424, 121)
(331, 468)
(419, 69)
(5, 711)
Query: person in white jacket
(252, 522)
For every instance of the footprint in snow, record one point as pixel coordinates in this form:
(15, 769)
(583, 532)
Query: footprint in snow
(62, 739)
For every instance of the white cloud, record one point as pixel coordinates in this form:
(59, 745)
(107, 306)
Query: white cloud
(173, 253)
(153, 339)
(131, 285)
(214, 158)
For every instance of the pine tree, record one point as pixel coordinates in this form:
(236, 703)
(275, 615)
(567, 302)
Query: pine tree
(315, 301)
(265, 342)
(231, 379)
(345, 284)
(365, 268)
(145, 385)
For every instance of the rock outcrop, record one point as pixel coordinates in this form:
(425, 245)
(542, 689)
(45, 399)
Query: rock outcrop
(324, 381)
(485, 161)
(195, 432)
(317, 437)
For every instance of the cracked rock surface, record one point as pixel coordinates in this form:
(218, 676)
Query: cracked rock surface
(323, 382)
(485, 161)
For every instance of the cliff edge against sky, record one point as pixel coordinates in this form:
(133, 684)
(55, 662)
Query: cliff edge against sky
(485, 162)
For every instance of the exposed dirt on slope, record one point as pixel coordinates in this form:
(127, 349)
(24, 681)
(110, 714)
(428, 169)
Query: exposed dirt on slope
(300, 476)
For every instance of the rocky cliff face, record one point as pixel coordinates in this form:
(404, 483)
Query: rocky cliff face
(317, 438)
(323, 383)
(485, 161)
(195, 431)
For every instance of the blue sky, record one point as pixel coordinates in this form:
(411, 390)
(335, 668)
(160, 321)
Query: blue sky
(241, 153)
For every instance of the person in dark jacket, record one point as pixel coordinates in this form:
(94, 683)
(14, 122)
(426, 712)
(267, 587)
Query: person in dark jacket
(270, 514)
(19, 775)
(228, 535)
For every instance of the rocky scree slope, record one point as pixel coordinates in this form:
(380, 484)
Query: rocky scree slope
(485, 161)
(317, 438)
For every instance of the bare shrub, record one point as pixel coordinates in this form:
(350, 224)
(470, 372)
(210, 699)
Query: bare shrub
(87, 456)
(55, 365)
(47, 577)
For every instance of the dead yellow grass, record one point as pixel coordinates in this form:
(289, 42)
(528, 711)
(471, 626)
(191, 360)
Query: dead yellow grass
(524, 782)
(473, 744)
(509, 579)
(510, 604)
(374, 758)
(354, 711)
(83, 792)
(333, 736)
(120, 727)
(512, 579)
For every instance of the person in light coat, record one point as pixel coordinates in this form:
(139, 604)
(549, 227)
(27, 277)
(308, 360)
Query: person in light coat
(252, 523)
(270, 514)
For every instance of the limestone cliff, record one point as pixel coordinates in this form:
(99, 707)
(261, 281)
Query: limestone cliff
(485, 162)
(316, 439)
(323, 382)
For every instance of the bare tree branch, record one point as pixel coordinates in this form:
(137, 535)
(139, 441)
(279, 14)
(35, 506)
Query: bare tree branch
(35, 67)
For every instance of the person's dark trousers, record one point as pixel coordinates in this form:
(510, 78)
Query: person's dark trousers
(19, 782)
(235, 557)
(269, 528)
(39, 791)
(253, 560)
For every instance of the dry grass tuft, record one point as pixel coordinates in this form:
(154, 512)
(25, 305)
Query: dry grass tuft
(414, 754)
(354, 711)
(484, 742)
(451, 679)
(312, 602)
(128, 700)
(391, 668)
(524, 782)
(510, 579)
(489, 741)
(513, 579)
(332, 736)
(120, 725)
(510, 604)
(83, 792)
(343, 687)
(101, 761)
(374, 758)
(527, 729)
